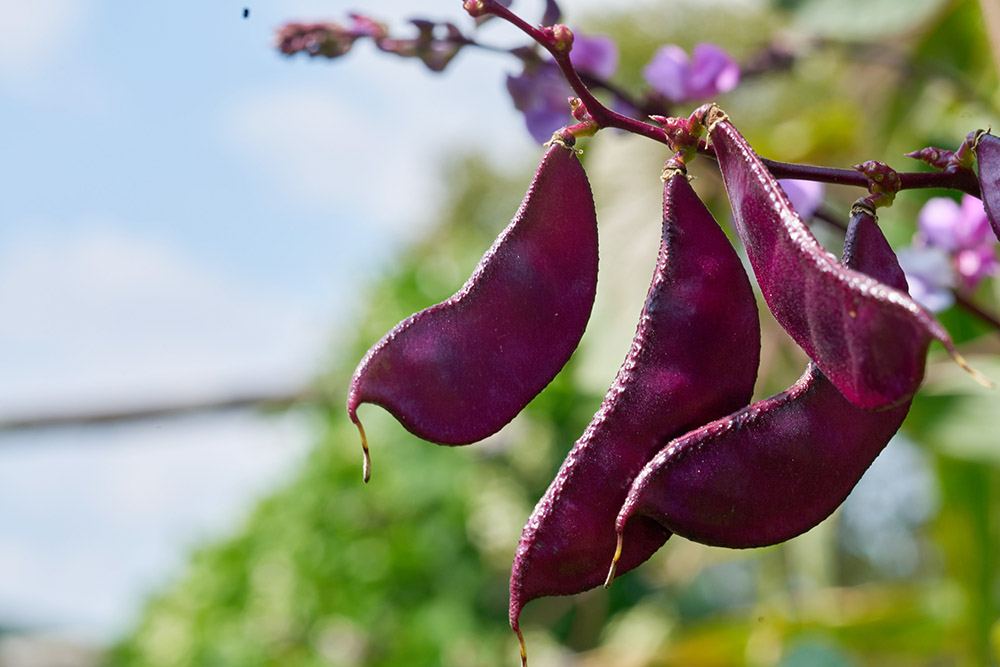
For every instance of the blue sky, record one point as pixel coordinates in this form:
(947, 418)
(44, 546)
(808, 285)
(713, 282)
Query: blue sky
(185, 213)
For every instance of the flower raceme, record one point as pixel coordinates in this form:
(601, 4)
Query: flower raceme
(676, 446)
(731, 473)
(541, 94)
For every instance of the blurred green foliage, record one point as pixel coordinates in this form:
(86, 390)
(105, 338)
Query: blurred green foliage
(412, 569)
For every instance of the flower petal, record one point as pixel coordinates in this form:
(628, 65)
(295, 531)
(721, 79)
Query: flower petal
(595, 54)
(974, 264)
(668, 72)
(713, 71)
(937, 221)
(929, 275)
(541, 94)
(973, 228)
(806, 196)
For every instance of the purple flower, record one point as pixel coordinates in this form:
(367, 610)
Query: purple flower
(595, 54)
(806, 196)
(541, 94)
(707, 73)
(963, 232)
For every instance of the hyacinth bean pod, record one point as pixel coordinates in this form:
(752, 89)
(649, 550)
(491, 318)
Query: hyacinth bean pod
(776, 468)
(987, 149)
(869, 339)
(694, 358)
(460, 370)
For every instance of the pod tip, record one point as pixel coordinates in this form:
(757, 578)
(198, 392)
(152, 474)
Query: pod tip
(367, 465)
(524, 650)
(614, 562)
(976, 375)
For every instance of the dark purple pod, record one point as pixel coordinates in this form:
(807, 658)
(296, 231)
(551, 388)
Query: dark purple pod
(460, 370)
(694, 357)
(987, 149)
(776, 468)
(869, 339)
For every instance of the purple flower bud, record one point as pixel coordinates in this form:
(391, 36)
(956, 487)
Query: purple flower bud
(707, 73)
(541, 94)
(806, 196)
(929, 275)
(330, 40)
(595, 54)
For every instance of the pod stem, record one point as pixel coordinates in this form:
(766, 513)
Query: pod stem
(614, 562)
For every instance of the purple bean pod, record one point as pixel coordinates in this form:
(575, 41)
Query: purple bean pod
(776, 468)
(868, 338)
(460, 370)
(694, 357)
(987, 150)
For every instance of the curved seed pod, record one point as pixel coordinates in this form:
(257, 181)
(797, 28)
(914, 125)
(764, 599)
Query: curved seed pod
(869, 339)
(458, 371)
(987, 149)
(694, 357)
(778, 467)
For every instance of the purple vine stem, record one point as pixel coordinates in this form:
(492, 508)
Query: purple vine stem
(599, 117)
(604, 117)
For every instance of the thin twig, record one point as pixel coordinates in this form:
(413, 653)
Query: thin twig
(263, 400)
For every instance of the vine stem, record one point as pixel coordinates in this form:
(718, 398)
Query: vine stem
(914, 180)
(604, 117)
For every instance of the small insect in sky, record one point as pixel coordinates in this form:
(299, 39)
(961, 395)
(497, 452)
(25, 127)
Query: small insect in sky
(246, 12)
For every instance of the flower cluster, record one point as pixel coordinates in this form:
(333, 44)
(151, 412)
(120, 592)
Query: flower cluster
(540, 92)
(678, 446)
(952, 248)
(330, 40)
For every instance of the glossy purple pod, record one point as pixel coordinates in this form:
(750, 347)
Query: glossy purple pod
(776, 468)
(694, 357)
(460, 370)
(868, 338)
(987, 149)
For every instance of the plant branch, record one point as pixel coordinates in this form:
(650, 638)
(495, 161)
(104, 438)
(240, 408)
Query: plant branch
(261, 400)
(601, 115)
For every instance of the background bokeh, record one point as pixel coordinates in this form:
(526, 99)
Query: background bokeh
(188, 216)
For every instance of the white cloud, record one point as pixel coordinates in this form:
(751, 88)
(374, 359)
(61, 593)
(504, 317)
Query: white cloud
(319, 147)
(367, 137)
(33, 34)
(97, 316)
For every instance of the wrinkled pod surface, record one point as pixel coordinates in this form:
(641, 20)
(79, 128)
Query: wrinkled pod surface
(868, 338)
(988, 166)
(460, 370)
(694, 358)
(776, 468)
